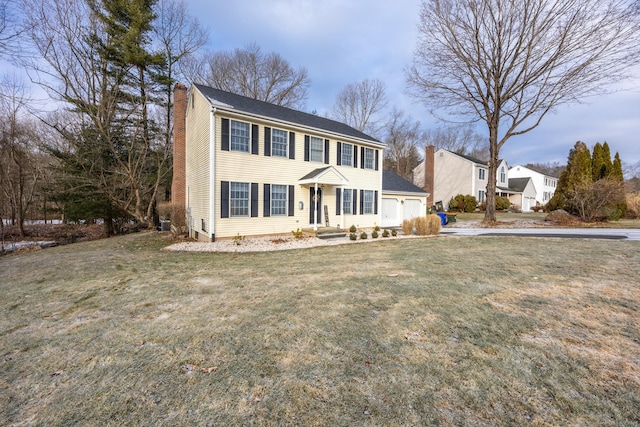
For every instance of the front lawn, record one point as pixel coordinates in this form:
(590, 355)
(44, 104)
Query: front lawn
(445, 330)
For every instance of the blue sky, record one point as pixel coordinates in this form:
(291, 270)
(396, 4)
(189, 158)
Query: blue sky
(341, 42)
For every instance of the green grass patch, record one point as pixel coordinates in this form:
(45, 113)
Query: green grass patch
(451, 331)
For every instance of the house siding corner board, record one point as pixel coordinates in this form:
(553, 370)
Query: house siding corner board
(197, 165)
(261, 166)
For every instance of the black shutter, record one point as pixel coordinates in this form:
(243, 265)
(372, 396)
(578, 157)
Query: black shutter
(224, 144)
(255, 143)
(339, 158)
(254, 200)
(267, 200)
(224, 199)
(338, 200)
(361, 157)
(375, 202)
(354, 152)
(306, 148)
(267, 141)
(292, 145)
(377, 158)
(291, 200)
(361, 202)
(354, 196)
(326, 151)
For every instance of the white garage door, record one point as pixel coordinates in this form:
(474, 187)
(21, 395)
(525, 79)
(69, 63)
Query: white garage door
(412, 208)
(390, 213)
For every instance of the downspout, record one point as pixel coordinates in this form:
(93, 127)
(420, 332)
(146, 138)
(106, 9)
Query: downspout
(212, 174)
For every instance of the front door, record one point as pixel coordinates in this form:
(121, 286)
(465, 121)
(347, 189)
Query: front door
(313, 207)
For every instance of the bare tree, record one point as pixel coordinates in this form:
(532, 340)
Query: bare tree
(460, 139)
(9, 27)
(252, 73)
(401, 154)
(359, 104)
(508, 63)
(87, 65)
(20, 172)
(178, 37)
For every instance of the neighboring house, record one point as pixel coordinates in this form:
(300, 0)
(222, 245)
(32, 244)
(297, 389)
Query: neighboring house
(522, 193)
(247, 167)
(445, 174)
(545, 185)
(400, 200)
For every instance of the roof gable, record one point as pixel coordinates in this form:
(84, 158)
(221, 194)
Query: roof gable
(232, 102)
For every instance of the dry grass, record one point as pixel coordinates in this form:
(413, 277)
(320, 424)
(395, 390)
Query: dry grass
(422, 226)
(393, 332)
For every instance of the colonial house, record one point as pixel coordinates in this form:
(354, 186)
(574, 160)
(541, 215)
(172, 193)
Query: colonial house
(545, 184)
(445, 174)
(401, 200)
(248, 167)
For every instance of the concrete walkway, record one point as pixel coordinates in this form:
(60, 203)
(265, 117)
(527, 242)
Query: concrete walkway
(580, 233)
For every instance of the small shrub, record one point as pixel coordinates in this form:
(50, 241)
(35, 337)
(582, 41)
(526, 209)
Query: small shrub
(377, 228)
(394, 233)
(297, 234)
(427, 225)
(353, 236)
(353, 229)
(385, 233)
(238, 239)
(457, 203)
(633, 205)
(363, 235)
(470, 203)
(374, 234)
(502, 203)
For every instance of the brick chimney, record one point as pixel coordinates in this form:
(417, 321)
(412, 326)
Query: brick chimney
(429, 173)
(178, 185)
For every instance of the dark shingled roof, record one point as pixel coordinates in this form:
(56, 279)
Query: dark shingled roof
(518, 184)
(394, 182)
(265, 109)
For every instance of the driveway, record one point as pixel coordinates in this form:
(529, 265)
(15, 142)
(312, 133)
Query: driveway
(580, 233)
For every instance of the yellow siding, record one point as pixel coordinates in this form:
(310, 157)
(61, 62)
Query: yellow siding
(197, 163)
(235, 166)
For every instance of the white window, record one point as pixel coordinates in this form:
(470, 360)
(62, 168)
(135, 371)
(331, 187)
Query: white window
(279, 143)
(240, 136)
(316, 149)
(368, 158)
(347, 201)
(278, 200)
(503, 175)
(481, 174)
(347, 154)
(481, 196)
(239, 199)
(367, 202)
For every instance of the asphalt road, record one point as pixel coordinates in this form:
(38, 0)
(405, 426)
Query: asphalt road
(576, 233)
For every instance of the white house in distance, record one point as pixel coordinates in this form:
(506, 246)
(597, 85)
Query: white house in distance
(545, 185)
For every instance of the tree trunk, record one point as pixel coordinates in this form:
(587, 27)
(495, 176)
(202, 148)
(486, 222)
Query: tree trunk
(490, 212)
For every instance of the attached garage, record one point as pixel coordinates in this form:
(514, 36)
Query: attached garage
(390, 212)
(400, 200)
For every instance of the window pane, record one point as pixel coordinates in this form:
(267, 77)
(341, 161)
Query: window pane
(368, 202)
(368, 158)
(278, 200)
(347, 201)
(279, 143)
(347, 154)
(239, 200)
(316, 149)
(239, 136)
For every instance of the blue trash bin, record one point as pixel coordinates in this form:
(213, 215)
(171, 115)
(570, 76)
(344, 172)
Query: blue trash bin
(443, 218)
